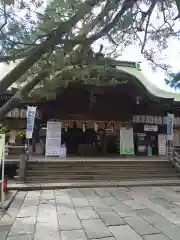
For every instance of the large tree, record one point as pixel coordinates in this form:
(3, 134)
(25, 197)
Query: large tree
(56, 35)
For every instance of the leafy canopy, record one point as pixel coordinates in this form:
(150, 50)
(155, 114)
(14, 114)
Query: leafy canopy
(26, 24)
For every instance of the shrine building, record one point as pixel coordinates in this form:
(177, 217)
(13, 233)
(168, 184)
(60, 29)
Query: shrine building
(120, 119)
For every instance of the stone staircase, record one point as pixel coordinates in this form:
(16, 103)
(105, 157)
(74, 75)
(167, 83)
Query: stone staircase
(113, 170)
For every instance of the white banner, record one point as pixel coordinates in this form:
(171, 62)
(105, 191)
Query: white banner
(2, 152)
(2, 147)
(170, 120)
(53, 139)
(31, 113)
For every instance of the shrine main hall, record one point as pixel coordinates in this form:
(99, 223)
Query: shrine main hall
(125, 118)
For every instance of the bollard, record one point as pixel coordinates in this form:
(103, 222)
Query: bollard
(22, 167)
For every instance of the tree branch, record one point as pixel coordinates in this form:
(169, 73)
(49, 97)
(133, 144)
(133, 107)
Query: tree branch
(126, 5)
(5, 17)
(23, 92)
(47, 45)
(149, 12)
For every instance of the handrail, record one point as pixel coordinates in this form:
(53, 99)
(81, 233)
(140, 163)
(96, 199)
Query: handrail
(23, 149)
(174, 158)
(15, 146)
(23, 157)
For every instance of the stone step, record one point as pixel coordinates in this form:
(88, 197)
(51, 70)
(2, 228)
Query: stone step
(165, 163)
(128, 171)
(95, 163)
(101, 170)
(94, 178)
(85, 169)
(107, 176)
(66, 175)
(46, 185)
(97, 166)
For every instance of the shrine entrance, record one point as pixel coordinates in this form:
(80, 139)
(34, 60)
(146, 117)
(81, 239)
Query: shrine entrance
(88, 142)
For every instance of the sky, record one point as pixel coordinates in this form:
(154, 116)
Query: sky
(171, 57)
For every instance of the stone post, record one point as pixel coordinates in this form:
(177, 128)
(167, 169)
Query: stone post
(22, 167)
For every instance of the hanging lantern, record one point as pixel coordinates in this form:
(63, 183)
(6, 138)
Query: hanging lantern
(95, 127)
(138, 99)
(66, 126)
(84, 127)
(70, 124)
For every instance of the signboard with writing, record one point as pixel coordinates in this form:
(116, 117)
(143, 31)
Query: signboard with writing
(162, 149)
(126, 141)
(150, 128)
(53, 138)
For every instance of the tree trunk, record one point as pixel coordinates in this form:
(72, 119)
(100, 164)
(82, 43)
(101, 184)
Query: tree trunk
(16, 99)
(54, 39)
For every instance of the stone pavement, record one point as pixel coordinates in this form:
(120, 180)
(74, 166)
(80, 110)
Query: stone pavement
(134, 213)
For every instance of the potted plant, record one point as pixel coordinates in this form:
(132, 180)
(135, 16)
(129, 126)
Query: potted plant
(21, 136)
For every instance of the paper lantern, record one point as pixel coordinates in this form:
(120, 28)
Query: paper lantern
(84, 127)
(95, 126)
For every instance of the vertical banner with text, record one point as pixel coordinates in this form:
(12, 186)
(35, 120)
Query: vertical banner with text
(2, 152)
(170, 120)
(31, 113)
(2, 147)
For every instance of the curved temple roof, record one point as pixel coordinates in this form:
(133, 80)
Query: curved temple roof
(129, 68)
(153, 89)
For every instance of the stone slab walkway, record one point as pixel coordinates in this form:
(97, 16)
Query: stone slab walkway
(114, 213)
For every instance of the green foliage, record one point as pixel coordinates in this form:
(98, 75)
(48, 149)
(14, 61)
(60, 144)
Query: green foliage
(28, 23)
(173, 80)
(21, 20)
(55, 13)
(3, 129)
